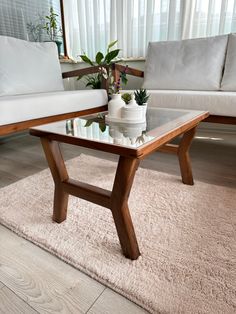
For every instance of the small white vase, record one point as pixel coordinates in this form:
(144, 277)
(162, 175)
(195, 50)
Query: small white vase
(115, 105)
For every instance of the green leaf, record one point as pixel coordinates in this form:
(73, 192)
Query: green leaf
(126, 97)
(112, 79)
(79, 77)
(93, 81)
(111, 55)
(102, 126)
(111, 45)
(86, 60)
(123, 77)
(88, 123)
(99, 57)
(124, 80)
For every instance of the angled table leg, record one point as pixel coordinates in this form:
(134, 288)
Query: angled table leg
(59, 173)
(119, 206)
(183, 155)
(117, 200)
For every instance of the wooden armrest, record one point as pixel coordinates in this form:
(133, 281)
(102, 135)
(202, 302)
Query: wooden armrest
(117, 68)
(81, 72)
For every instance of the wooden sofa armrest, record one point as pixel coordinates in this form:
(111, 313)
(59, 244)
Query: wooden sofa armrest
(81, 72)
(86, 71)
(119, 68)
(116, 70)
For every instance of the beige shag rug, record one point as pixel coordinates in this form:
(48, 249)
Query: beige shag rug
(186, 234)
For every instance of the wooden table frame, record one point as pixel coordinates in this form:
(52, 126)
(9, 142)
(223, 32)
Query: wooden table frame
(117, 199)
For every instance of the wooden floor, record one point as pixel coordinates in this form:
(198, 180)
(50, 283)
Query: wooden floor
(34, 281)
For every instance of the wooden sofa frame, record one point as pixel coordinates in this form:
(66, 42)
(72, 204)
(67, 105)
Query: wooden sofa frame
(118, 68)
(24, 125)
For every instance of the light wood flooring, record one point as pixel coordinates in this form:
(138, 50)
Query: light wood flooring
(34, 281)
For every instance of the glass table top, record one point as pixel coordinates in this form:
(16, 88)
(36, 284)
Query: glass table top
(159, 122)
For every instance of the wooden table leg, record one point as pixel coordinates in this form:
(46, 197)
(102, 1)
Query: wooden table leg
(59, 173)
(119, 206)
(184, 159)
(117, 200)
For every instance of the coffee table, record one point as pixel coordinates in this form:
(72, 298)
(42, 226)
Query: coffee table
(132, 142)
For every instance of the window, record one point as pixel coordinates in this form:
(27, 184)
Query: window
(25, 19)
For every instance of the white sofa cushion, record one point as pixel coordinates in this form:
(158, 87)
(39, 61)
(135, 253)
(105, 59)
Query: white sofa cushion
(32, 106)
(229, 78)
(192, 64)
(216, 102)
(28, 67)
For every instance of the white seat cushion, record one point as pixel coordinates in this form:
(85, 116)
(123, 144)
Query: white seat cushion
(32, 106)
(192, 64)
(229, 78)
(216, 102)
(28, 67)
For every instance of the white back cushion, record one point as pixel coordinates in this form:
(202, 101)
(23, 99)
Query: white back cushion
(28, 67)
(229, 78)
(192, 64)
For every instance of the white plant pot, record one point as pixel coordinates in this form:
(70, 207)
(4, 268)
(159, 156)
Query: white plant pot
(144, 106)
(115, 105)
(132, 131)
(114, 131)
(132, 111)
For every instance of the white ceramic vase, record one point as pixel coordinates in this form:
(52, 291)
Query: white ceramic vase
(115, 105)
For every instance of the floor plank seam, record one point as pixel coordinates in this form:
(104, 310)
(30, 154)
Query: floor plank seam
(95, 300)
(29, 305)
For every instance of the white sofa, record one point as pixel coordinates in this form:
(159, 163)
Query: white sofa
(31, 87)
(192, 74)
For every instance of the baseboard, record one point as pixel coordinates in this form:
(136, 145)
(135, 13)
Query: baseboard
(217, 127)
(12, 136)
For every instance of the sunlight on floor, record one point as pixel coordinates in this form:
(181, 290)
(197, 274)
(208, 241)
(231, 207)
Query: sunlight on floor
(209, 138)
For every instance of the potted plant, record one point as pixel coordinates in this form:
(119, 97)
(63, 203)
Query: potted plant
(141, 98)
(104, 61)
(54, 32)
(35, 30)
(126, 97)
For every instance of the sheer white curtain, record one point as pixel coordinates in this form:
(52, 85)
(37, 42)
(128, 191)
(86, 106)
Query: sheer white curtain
(92, 24)
(209, 17)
